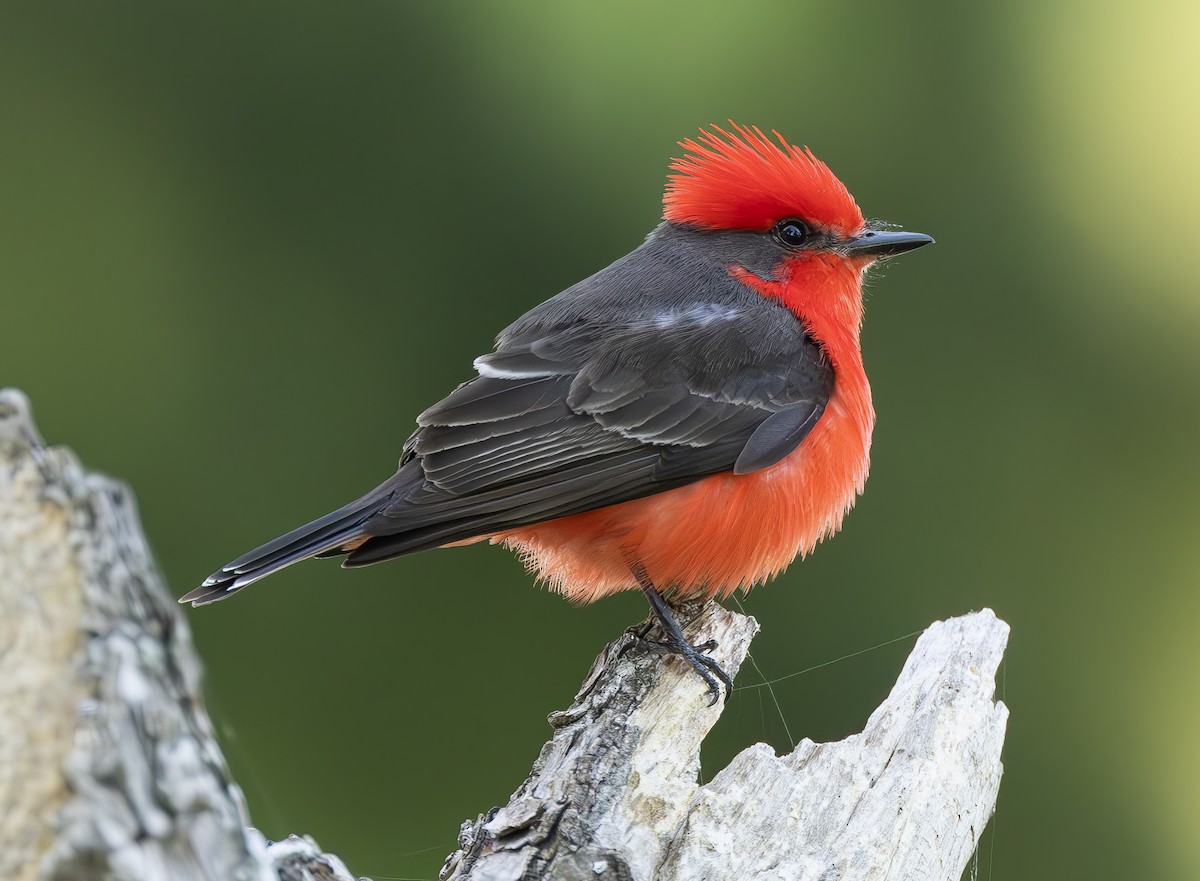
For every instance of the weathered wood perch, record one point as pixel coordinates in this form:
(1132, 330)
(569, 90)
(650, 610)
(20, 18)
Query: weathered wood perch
(109, 768)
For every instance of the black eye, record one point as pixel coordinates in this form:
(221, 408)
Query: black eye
(792, 233)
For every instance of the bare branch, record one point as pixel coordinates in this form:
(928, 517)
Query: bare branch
(109, 768)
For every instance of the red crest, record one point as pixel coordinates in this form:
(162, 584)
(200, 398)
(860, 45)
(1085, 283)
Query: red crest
(744, 180)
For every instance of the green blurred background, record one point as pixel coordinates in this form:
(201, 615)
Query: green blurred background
(242, 245)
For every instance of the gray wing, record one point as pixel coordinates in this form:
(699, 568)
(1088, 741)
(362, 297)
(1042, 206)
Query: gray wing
(593, 402)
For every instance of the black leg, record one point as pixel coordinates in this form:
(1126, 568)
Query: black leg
(675, 643)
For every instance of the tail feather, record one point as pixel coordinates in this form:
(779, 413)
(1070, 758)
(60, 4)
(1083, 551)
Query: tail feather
(336, 533)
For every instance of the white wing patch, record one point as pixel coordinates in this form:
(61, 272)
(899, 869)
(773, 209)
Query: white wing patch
(697, 315)
(483, 368)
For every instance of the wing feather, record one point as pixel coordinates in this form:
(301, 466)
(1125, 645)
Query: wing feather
(607, 393)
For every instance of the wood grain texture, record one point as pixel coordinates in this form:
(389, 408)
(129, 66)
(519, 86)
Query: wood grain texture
(109, 768)
(905, 799)
(614, 794)
(108, 764)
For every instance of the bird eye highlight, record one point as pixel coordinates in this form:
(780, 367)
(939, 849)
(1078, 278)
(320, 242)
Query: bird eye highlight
(792, 233)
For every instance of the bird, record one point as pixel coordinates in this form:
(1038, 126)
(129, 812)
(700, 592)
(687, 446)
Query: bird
(687, 421)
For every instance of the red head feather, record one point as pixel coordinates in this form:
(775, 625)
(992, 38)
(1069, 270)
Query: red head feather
(747, 181)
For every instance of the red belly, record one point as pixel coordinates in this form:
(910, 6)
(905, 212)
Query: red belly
(713, 536)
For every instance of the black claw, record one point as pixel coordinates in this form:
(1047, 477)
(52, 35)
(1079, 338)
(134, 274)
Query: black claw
(714, 689)
(703, 666)
(694, 655)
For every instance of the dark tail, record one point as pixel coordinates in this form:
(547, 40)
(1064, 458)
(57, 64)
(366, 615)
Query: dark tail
(339, 532)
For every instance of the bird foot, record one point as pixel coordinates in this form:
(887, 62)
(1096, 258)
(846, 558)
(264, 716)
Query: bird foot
(676, 643)
(710, 671)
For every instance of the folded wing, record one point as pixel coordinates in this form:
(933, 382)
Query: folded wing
(565, 418)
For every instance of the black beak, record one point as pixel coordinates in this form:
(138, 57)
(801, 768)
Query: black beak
(879, 244)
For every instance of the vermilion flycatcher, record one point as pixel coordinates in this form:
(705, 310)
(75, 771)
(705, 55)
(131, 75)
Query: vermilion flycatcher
(689, 419)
